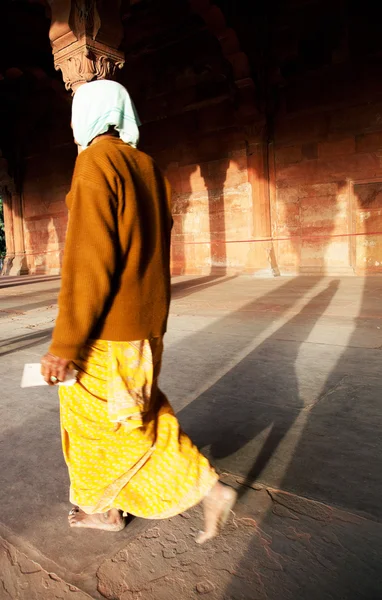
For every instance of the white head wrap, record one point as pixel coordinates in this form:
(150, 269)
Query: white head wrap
(99, 105)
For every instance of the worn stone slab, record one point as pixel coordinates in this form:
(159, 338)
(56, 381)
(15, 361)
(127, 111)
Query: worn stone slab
(23, 579)
(275, 546)
(276, 380)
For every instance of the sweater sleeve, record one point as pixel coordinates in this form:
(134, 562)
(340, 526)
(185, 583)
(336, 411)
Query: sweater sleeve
(89, 264)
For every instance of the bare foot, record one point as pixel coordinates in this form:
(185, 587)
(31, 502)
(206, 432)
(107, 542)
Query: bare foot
(109, 521)
(216, 505)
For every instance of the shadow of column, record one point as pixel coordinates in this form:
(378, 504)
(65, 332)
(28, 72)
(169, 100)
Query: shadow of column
(250, 399)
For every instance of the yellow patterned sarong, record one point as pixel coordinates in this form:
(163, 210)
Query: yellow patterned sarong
(121, 440)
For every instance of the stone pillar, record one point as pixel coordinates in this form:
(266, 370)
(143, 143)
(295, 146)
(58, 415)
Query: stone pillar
(259, 179)
(8, 226)
(85, 36)
(15, 262)
(19, 264)
(259, 161)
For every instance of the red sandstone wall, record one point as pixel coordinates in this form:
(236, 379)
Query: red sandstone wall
(328, 138)
(327, 201)
(212, 197)
(325, 150)
(46, 182)
(326, 198)
(47, 170)
(212, 207)
(327, 169)
(194, 117)
(204, 82)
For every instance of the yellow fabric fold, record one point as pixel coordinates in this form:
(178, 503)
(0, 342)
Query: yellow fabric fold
(121, 440)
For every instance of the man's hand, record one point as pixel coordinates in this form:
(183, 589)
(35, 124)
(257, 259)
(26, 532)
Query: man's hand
(54, 368)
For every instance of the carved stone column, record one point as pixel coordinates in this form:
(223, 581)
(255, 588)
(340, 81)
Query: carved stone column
(15, 262)
(85, 36)
(19, 264)
(8, 226)
(260, 161)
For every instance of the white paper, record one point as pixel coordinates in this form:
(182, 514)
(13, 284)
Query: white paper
(32, 376)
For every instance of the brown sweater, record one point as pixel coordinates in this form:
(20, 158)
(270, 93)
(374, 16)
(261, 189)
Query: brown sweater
(116, 273)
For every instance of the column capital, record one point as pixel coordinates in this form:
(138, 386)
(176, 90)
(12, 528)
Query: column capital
(85, 36)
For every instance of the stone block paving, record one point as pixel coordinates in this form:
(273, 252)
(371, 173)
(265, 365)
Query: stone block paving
(278, 382)
(275, 545)
(23, 579)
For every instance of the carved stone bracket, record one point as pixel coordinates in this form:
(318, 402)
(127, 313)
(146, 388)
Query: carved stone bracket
(87, 62)
(85, 38)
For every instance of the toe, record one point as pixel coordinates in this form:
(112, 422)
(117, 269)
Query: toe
(74, 523)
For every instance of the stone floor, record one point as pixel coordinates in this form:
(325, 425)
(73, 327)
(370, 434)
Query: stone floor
(278, 381)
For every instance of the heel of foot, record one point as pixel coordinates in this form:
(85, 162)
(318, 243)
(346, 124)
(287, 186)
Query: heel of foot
(221, 513)
(204, 536)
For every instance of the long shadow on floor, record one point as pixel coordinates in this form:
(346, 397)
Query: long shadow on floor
(30, 306)
(7, 282)
(346, 469)
(336, 459)
(245, 416)
(181, 289)
(23, 342)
